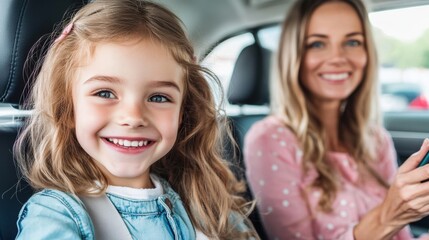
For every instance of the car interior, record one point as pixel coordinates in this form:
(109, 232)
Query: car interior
(209, 24)
(23, 24)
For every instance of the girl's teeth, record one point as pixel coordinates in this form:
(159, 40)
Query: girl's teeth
(128, 143)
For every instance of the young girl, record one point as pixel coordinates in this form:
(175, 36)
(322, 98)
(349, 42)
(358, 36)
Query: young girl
(121, 108)
(321, 164)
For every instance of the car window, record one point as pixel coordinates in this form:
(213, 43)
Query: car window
(403, 49)
(402, 40)
(222, 59)
(269, 37)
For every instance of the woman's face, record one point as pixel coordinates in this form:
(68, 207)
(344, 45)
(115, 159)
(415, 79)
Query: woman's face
(335, 55)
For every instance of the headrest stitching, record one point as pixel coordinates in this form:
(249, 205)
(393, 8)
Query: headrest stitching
(15, 52)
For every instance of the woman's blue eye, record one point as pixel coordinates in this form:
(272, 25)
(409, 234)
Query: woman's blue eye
(353, 43)
(105, 94)
(158, 98)
(316, 44)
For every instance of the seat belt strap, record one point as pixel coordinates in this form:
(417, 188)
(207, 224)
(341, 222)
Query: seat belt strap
(108, 224)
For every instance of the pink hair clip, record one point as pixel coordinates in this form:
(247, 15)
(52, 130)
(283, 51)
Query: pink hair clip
(65, 32)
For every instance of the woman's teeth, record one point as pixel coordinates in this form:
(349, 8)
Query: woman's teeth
(335, 77)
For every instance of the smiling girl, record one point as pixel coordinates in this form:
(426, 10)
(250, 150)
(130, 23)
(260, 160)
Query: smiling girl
(122, 111)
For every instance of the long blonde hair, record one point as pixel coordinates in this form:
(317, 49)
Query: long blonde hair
(359, 117)
(51, 157)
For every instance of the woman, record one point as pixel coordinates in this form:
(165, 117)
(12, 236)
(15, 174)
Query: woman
(321, 164)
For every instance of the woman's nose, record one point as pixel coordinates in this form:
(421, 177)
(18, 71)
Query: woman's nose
(337, 55)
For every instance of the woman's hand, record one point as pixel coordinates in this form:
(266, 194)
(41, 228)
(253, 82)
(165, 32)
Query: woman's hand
(407, 200)
(408, 197)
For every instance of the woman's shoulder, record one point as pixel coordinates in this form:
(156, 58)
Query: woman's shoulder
(381, 135)
(270, 127)
(379, 130)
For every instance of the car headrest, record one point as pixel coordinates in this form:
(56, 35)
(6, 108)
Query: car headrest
(22, 24)
(249, 80)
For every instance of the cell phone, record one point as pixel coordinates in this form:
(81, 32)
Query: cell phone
(425, 160)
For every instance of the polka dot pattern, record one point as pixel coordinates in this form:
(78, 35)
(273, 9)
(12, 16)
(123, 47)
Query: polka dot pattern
(288, 202)
(274, 167)
(285, 203)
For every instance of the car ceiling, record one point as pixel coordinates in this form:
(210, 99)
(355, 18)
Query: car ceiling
(210, 21)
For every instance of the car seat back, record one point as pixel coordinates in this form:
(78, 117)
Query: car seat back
(248, 86)
(22, 24)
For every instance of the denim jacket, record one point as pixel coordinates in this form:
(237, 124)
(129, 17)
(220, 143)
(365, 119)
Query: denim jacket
(52, 214)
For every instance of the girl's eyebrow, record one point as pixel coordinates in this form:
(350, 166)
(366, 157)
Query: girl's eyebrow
(171, 84)
(102, 78)
(111, 79)
(319, 35)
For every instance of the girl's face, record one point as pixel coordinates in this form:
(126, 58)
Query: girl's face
(335, 55)
(127, 101)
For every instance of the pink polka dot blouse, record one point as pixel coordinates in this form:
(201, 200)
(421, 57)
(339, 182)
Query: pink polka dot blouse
(286, 202)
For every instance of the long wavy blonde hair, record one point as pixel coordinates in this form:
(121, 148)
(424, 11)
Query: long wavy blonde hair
(359, 117)
(51, 157)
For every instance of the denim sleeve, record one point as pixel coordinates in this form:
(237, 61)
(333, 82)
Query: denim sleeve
(53, 215)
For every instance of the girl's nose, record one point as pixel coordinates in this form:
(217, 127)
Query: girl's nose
(133, 115)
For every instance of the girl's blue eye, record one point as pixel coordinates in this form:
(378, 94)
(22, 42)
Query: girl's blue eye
(105, 94)
(158, 98)
(353, 43)
(316, 44)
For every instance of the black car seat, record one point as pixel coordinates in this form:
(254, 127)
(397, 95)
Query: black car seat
(22, 24)
(248, 86)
